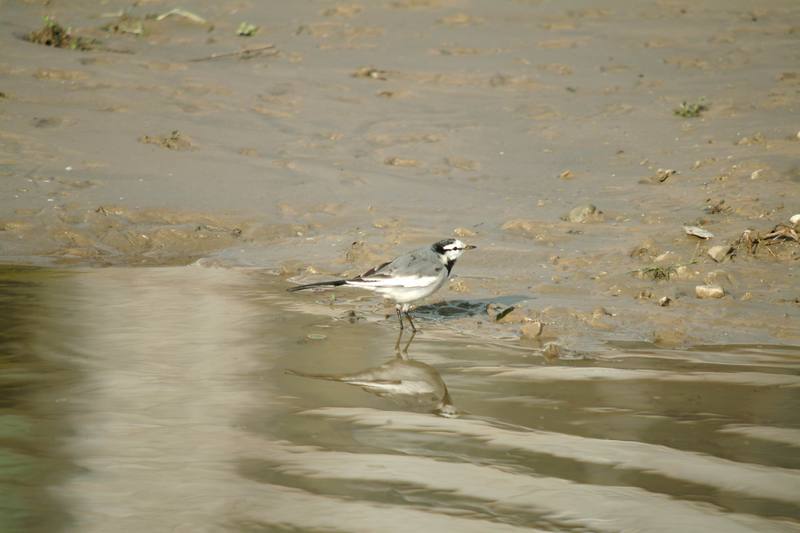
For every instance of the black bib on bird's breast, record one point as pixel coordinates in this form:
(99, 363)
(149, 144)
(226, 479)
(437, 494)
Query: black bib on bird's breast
(449, 265)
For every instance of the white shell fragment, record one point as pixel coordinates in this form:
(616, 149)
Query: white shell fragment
(709, 291)
(698, 232)
(795, 219)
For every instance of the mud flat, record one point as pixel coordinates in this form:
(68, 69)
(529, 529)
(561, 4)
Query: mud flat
(572, 144)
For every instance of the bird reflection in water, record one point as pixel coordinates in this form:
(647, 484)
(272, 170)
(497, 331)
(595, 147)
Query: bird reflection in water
(410, 384)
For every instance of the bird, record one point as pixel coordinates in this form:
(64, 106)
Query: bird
(407, 278)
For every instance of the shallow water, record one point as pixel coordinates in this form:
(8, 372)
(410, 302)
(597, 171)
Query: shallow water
(158, 400)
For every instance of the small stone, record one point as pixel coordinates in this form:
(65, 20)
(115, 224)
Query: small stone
(684, 273)
(664, 301)
(645, 248)
(600, 312)
(464, 232)
(709, 291)
(458, 285)
(493, 310)
(400, 162)
(644, 294)
(531, 330)
(567, 174)
(551, 351)
(720, 252)
(795, 219)
(663, 174)
(585, 213)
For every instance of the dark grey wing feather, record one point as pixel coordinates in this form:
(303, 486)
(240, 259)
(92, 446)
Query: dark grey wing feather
(421, 262)
(374, 271)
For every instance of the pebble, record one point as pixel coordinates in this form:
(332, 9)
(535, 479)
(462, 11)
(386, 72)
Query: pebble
(600, 312)
(683, 272)
(551, 351)
(720, 252)
(457, 285)
(531, 330)
(709, 291)
(585, 213)
(664, 301)
(662, 174)
(795, 219)
(464, 232)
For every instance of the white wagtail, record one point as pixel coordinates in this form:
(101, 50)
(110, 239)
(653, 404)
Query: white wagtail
(408, 278)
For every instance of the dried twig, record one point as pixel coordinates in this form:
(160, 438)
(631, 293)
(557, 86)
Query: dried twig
(246, 53)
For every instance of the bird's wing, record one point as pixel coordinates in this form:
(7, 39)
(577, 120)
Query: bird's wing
(415, 269)
(374, 270)
(403, 281)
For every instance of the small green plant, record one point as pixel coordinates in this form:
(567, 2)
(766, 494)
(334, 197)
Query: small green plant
(54, 34)
(246, 29)
(691, 110)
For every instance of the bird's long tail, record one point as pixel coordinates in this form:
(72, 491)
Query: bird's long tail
(327, 377)
(334, 283)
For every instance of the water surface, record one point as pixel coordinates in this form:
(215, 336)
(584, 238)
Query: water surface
(158, 400)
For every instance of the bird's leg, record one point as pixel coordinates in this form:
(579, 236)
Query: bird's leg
(397, 344)
(399, 317)
(405, 348)
(406, 308)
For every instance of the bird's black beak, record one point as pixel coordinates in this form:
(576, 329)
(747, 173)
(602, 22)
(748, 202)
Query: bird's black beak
(470, 247)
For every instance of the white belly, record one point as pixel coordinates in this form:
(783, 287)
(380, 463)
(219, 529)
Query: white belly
(404, 295)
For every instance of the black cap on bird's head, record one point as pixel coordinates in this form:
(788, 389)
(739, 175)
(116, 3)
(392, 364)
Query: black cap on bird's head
(451, 249)
(451, 245)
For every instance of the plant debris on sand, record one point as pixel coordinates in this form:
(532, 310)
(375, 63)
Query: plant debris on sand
(691, 110)
(657, 273)
(173, 141)
(126, 24)
(751, 240)
(56, 35)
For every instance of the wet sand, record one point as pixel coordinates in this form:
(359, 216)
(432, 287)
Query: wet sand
(351, 132)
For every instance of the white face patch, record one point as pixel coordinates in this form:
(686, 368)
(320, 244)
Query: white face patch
(455, 245)
(454, 250)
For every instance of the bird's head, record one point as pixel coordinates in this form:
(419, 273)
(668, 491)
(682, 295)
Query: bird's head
(451, 249)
